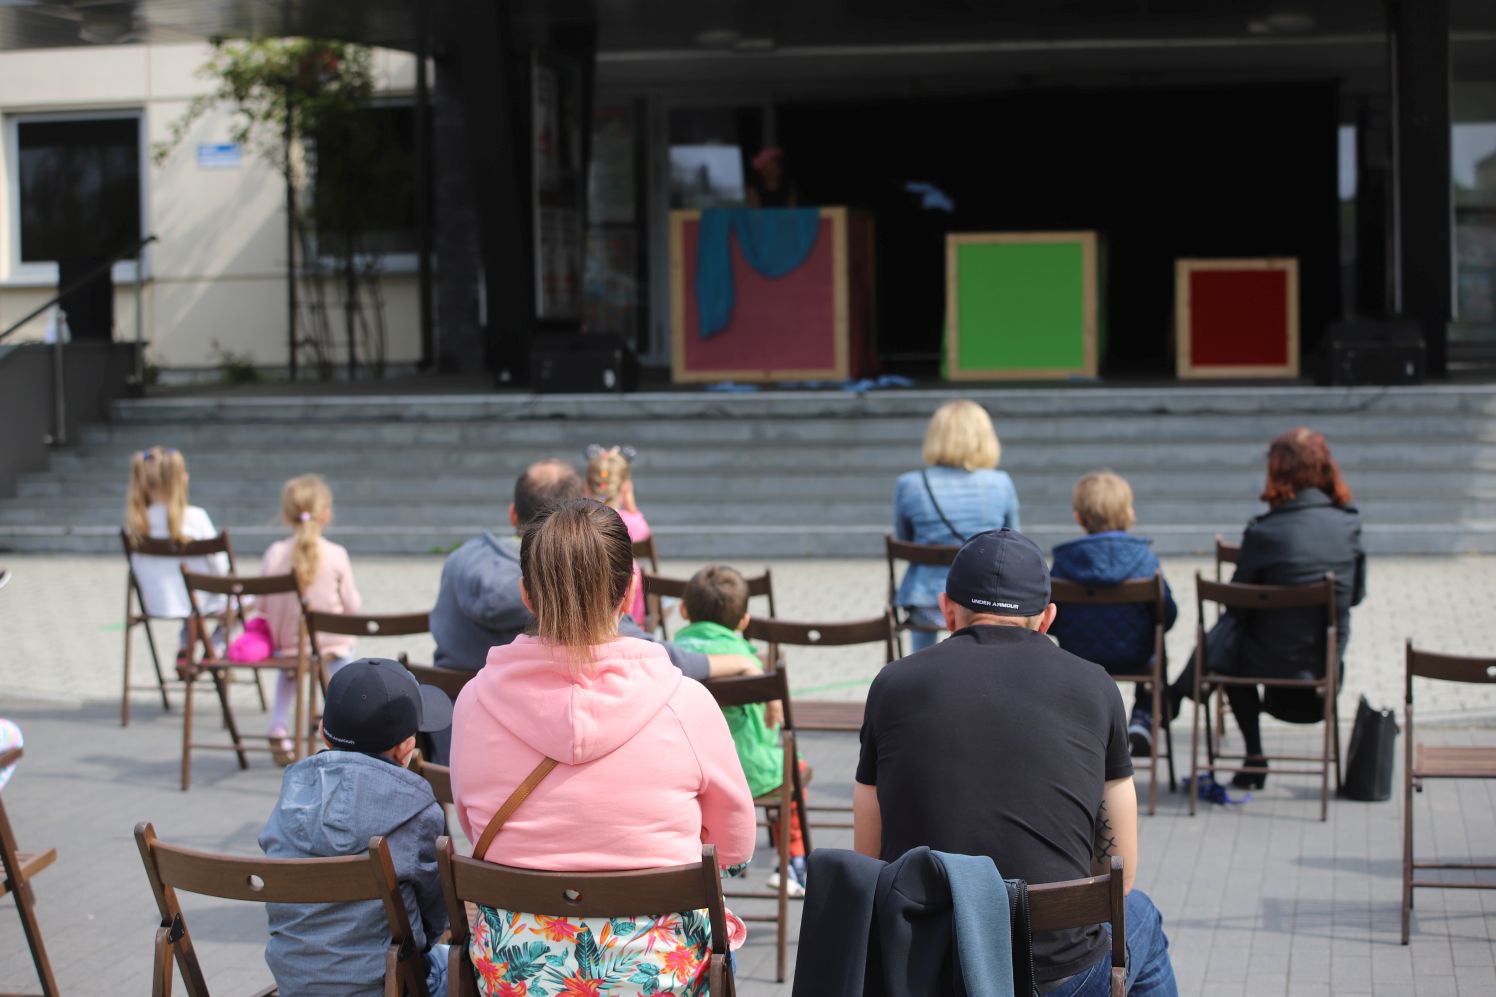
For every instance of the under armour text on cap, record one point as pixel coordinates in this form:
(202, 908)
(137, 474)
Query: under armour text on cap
(374, 703)
(1000, 572)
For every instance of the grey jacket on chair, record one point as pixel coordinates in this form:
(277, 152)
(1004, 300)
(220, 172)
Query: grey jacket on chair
(332, 804)
(1294, 544)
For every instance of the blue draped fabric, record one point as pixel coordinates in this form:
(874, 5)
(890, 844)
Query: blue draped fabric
(773, 242)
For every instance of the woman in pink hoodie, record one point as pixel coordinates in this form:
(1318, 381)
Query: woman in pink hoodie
(647, 772)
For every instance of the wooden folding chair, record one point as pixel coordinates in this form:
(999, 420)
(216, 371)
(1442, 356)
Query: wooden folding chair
(580, 894)
(353, 625)
(657, 587)
(1267, 599)
(743, 690)
(1139, 592)
(20, 868)
(941, 555)
(1080, 903)
(644, 550)
(823, 715)
(342, 880)
(1225, 553)
(137, 615)
(439, 776)
(448, 680)
(1422, 762)
(214, 664)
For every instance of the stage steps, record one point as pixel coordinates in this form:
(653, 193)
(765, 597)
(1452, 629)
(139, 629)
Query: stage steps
(768, 475)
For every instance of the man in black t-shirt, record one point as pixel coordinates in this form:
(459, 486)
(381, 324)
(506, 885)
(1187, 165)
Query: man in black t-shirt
(996, 742)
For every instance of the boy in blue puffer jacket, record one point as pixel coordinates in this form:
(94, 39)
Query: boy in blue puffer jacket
(1118, 638)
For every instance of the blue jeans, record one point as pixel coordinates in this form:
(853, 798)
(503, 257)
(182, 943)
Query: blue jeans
(436, 970)
(928, 616)
(1149, 971)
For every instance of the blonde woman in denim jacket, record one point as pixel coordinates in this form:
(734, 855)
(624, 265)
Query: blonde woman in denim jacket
(960, 492)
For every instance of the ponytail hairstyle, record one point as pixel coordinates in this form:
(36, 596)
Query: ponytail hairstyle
(157, 475)
(577, 563)
(305, 502)
(1298, 460)
(607, 471)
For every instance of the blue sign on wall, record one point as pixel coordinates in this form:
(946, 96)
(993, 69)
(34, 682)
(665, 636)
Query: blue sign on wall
(219, 156)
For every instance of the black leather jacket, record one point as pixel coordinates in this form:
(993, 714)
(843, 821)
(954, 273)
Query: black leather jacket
(1293, 544)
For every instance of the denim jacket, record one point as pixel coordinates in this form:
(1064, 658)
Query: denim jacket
(974, 501)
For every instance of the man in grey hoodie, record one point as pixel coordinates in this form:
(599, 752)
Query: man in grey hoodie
(478, 604)
(332, 804)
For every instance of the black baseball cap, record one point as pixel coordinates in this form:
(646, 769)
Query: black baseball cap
(374, 703)
(1000, 572)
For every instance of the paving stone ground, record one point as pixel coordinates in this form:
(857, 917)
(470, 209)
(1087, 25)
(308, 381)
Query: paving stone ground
(1257, 899)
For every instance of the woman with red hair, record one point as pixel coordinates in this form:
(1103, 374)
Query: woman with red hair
(1310, 529)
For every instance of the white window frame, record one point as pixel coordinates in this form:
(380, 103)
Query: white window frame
(45, 274)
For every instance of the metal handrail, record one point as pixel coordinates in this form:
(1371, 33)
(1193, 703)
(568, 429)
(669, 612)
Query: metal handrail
(131, 250)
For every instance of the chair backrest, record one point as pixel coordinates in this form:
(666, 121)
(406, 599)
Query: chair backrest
(1135, 591)
(439, 776)
(644, 550)
(1443, 667)
(1235, 595)
(178, 550)
(742, 690)
(1080, 903)
(660, 586)
(904, 550)
(1225, 553)
(578, 894)
(344, 879)
(448, 680)
(235, 587)
(366, 625)
(878, 629)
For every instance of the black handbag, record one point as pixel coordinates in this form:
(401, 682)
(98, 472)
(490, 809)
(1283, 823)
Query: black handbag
(1368, 763)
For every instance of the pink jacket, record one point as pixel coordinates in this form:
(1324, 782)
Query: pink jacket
(332, 591)
(638, 530)
(648, 772)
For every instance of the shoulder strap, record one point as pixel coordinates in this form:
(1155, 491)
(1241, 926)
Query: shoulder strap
(521, 792)
(925, 477)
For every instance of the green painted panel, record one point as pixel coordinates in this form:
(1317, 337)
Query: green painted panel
(1020, 305)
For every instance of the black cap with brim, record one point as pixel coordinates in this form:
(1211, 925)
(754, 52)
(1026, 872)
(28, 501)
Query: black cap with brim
(374, 703)
(1001, 573)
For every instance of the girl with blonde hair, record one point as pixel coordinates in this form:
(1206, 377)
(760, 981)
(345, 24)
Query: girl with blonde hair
(644, 773)
(326, 576)
(959, 493)
(156, 506)
(610, 481)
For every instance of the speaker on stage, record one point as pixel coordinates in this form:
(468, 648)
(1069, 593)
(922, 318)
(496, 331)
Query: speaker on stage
(582, 362)
(1372, 351)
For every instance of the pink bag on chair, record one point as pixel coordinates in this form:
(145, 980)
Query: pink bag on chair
(254, 644)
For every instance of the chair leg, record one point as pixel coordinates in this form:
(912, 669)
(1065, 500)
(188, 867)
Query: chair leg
(124, 699)
(221, 683)
(1169, 744)
(1407, 853)
(1153, 771)
(301, 744)
(260, 689)
(1194, 785)
(150, 643)
(783, 927)
(25, 906)
(187, 695)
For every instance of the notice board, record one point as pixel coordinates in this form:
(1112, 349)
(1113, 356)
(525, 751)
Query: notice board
(1021, 305)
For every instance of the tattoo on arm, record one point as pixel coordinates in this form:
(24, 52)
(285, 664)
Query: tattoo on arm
(1106, 840)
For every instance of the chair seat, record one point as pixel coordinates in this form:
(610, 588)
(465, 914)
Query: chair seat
(31, 864)
(822, 715)
(277, 662)
(1433, 762)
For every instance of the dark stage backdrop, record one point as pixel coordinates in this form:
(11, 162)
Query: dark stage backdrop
(1160, 173)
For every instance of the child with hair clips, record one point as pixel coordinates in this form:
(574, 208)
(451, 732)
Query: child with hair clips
(156, 507)
(326, 578)
(609, 481)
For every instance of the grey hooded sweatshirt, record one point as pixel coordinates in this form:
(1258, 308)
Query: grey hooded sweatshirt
(332, 804)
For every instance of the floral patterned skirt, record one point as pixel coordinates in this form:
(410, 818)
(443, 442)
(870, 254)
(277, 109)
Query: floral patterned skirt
(531, 955)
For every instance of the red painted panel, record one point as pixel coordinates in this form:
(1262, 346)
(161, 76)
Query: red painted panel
(783, 324)
(1238, 318)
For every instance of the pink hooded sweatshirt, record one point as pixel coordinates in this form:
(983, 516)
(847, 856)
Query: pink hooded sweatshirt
(648, 769)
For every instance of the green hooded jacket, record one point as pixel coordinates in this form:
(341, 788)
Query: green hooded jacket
(759, 748)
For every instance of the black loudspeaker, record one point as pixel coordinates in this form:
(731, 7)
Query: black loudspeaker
(1365, 351)
(90, 307)
(582, 362)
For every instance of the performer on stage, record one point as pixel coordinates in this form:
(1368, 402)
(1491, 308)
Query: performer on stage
(770, 186)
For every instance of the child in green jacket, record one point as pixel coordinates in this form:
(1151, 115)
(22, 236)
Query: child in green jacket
(715, 607)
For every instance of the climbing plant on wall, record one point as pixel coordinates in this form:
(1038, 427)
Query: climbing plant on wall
(301, 104)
